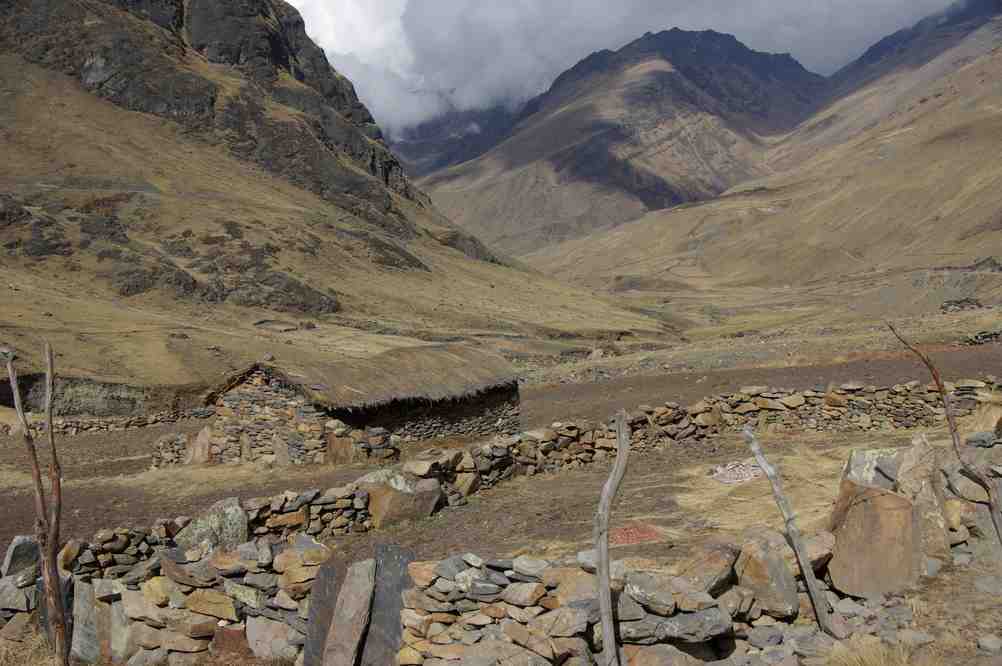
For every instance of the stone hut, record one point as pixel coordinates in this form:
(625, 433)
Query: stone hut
(353, 409)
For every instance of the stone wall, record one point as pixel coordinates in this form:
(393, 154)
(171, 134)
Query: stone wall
(253, 578)
(242, 575)
(495, 411)
(263, 419)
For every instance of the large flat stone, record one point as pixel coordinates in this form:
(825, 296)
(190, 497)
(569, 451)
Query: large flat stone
(878, 542)
(762, 568)
(383, 640)
(84, 645)
(323, 598)
(395, 498)
(351, 615)
(224, 525)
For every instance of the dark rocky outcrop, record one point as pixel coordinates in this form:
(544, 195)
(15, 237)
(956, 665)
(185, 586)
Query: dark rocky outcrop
(292, 113)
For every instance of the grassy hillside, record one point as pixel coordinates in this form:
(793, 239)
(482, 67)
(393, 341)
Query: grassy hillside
(670, 118)
(865, 224)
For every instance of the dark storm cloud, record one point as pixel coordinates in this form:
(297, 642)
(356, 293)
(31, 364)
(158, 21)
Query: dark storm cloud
(409, 59)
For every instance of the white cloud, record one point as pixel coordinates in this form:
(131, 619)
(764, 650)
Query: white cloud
(409, 59)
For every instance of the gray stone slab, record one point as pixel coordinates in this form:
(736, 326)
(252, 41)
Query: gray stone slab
(85, 646)
(383, 640)
(351, 615)
(323, 598)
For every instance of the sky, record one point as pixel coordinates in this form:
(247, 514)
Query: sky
(412, 59)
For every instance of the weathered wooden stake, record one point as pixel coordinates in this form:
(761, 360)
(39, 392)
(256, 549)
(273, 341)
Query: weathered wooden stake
(47, 516)
(978, 475)
(603, 579)
(830, 622)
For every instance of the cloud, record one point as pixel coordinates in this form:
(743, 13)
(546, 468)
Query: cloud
(412, 59)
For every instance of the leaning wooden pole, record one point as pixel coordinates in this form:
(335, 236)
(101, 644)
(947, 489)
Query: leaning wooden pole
(610, 648)
(978, 475)
(829, 621)
(47, 515)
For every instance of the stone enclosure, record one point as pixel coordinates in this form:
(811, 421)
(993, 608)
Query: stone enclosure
(261, 577)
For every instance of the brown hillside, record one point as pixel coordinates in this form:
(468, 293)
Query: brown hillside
(156, 241)
(867, 224)
(670, 118)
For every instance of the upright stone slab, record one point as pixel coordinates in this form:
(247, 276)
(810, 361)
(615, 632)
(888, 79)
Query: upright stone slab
(223, 525)
(84, 646)
(384, 638)
(323, 598)
(351, 615)
(878, 542)
(66, 586)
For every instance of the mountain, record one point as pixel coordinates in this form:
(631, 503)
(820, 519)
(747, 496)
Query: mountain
(891, 196)
(672, 117)
(181, 178)
(453, 137)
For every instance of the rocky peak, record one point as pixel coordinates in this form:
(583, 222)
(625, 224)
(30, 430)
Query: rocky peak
(282, 105)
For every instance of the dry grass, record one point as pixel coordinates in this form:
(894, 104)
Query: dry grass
(870, 651)
(33, 652)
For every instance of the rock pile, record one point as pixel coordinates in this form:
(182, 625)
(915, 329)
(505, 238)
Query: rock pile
(983, 338)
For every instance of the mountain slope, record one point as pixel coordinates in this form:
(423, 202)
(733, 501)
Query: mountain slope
(182, 180)
(672, 117)
(917, 189)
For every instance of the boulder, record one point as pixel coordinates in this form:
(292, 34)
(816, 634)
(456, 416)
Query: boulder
(22, 553)
(395, 498)
(655, 592)
(351, 615)
(878, 541)
(711, 567)
(762, 568)
(697, 627)
(383, 640)
(224, 525)
(269, 639)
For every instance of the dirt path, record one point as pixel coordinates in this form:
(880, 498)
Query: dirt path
(544, 404)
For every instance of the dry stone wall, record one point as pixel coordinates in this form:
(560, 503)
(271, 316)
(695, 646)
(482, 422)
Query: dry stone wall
(240, 578)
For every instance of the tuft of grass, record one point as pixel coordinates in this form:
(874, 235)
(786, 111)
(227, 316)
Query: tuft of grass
(870, 651)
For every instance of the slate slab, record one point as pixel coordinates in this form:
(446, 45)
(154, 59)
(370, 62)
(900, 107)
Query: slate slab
(84, 646)
(351, 615)
(322, 601)
(385, 633)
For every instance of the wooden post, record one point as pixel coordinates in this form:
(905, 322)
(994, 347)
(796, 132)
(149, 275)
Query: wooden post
(979, 475)
(610, 648)
(830, 622)
(47, 516)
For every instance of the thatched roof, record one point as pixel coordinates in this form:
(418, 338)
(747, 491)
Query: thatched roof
(427, 372)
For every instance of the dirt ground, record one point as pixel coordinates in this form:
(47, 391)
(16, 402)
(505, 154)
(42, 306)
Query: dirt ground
(545, 403)
(668, 501)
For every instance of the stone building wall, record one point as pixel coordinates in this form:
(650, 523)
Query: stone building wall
(493, 412)
(264, 419)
